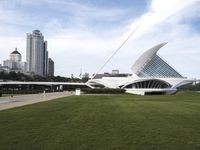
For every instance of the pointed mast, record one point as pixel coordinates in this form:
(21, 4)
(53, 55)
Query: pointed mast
(115, 52)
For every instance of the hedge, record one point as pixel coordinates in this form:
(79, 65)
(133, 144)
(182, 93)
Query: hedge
(195, 87)
(103, 91)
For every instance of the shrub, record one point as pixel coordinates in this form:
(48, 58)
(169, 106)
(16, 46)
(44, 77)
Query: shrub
(103, 91)
(195, 87)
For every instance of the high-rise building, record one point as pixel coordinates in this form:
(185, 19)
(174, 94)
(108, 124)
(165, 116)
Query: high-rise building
(50, 67)
(14, 63)
(36, 54)
(45, 59)
(15, 56)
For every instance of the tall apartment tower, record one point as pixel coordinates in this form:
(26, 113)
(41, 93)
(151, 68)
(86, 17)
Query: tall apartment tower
(36, 54)
(50, 67)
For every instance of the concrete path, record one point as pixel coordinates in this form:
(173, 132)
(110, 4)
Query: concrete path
(21, 100)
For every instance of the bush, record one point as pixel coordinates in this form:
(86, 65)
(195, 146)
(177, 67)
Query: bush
(195, 87)
(103, 91)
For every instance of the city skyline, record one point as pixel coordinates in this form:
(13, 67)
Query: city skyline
(83, 34)
(37, 59)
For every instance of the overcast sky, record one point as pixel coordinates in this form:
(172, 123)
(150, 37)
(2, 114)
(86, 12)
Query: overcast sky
(84, 33)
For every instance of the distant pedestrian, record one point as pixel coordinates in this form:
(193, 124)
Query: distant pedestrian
(44, 93)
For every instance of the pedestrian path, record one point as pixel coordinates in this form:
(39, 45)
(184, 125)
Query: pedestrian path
(21, 100)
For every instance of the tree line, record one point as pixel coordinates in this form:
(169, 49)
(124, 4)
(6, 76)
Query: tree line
(13, 76)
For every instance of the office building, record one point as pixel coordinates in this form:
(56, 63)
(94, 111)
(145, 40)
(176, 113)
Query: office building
(115, 71)
(36, 54)
(50, 67)
(14, 63)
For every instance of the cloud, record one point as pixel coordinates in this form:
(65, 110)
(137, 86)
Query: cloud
(159, 10)
(8, 44)
(79, 37)
(84, 10)
(162, 24)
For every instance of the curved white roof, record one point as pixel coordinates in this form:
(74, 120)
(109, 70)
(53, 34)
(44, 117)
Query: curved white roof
(146, 57)
(151, 65)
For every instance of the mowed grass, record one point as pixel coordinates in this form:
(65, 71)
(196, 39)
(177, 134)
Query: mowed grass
(109, 122)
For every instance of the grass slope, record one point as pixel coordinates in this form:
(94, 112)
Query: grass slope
(117, 122)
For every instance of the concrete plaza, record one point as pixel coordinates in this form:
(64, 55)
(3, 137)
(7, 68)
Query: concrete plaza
(21, 100)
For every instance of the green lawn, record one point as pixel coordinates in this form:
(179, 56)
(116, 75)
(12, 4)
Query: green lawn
(117, 122)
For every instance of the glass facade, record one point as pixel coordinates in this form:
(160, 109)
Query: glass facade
(37, 54)
(158, 68)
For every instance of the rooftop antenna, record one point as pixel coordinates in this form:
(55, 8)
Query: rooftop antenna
(115, 52)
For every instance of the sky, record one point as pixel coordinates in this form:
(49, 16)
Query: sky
(83, 34)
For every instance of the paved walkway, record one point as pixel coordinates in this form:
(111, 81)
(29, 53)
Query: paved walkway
(21, 100)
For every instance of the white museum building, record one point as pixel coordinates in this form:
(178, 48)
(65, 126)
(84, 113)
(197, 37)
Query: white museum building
(150, 75)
